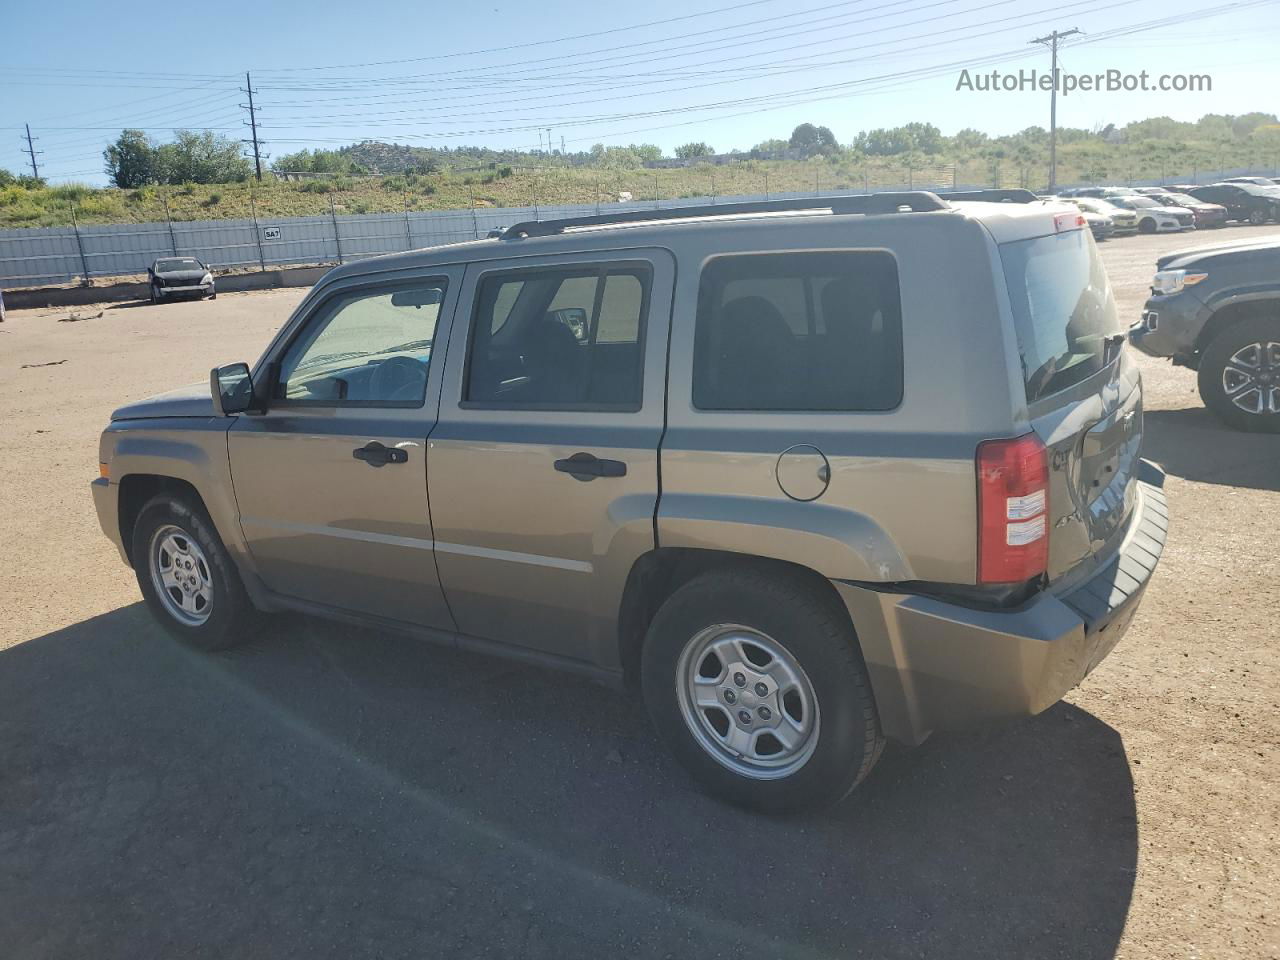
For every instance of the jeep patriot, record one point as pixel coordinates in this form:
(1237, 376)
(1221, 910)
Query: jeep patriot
(808, 474)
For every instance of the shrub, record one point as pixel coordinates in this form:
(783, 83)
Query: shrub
(394, 184)
(343, 183)
(505, 172)
(315, 186)
(212, 200)
(70, 192)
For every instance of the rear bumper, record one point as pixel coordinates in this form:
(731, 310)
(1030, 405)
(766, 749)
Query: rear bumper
(937, 665)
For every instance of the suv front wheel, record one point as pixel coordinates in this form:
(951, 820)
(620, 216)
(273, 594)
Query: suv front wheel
(1239, 375)
(754, 680)
(187, 577)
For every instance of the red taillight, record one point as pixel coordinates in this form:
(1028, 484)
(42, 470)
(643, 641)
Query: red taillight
(1013, 509)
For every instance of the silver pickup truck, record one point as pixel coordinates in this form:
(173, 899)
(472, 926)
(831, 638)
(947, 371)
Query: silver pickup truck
(803, 475)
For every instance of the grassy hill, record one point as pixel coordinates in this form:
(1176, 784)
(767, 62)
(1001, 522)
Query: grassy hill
(1148, 150)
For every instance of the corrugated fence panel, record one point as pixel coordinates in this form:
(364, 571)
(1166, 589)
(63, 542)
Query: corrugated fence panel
(52, 254)
(39, 255)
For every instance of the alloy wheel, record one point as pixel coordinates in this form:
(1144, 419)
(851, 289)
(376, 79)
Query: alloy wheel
(747, 702)
(181, 575)
(1251, 378)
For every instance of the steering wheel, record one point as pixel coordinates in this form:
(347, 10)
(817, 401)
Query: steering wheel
(397, 379)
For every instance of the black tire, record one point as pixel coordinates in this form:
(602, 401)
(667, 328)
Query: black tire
(1213, 365)
(1257, 217)
(231, 617)
(820, 638)
(1147, 225)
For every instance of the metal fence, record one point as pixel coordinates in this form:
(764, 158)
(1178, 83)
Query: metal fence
(46, 255)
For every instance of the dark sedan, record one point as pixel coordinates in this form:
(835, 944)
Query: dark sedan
(1244, 201)
(172, 277)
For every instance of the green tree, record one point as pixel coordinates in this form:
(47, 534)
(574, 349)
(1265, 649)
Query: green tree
(131, 160)
(7, 179)
(691, 151)
(204, 157)
(811, 140)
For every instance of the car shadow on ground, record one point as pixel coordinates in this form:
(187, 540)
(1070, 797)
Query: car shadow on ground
(1191, 443)
(333, 792)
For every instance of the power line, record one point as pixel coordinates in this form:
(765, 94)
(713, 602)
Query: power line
(522, 46)
(781, 67)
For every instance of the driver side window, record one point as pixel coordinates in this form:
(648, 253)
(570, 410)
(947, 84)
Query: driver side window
(365, 348)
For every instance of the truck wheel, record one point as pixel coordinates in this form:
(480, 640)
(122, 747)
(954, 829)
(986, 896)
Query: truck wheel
(1239, 375)
(187, 577)
(755, 681)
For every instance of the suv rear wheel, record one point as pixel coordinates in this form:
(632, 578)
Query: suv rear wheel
(755, 682)
(187, 577)
(1239, 375)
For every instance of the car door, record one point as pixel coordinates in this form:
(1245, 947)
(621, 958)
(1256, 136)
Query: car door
(544, 462)
(331, 482)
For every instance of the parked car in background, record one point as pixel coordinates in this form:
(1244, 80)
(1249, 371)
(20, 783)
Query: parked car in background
(1154, 217)
(1244, 201)
(171, 277)
(1099, 192)
(1206, 215)
(769, 492)
(1101, 225)
(1256, 181)
(1122, 221)
(1216, 309)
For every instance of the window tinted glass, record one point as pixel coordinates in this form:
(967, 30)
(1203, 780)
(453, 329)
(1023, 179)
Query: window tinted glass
(366, 348)
(799, 331)
(1063, 309)
(568, 338)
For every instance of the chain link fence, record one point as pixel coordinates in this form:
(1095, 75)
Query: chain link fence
(52, 255)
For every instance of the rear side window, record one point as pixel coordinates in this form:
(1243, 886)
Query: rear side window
(799, 331)
(1064, 313)
(559, 338)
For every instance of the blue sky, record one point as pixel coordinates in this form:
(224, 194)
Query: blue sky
(731, 74)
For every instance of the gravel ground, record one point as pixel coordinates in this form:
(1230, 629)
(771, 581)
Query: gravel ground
(328, 792)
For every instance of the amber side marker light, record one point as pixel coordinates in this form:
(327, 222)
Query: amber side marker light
(104, 470)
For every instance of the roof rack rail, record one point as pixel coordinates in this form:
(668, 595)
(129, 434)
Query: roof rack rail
(916, 201)
(993, 196)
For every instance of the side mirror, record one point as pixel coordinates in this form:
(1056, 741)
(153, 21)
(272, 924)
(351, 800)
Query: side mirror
(232, 389)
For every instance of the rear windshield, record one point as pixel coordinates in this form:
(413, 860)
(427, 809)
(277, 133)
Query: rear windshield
(1063, 310)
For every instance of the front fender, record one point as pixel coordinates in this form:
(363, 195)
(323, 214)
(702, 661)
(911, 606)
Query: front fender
(837, 543)
(193, 451)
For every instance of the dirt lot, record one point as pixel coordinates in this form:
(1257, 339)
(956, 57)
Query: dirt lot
(328, 792)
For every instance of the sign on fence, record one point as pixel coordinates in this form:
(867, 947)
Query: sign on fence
(270, 233)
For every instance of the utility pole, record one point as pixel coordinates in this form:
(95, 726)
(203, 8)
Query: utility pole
(31, 152)
(1052, 41)
(253, 127)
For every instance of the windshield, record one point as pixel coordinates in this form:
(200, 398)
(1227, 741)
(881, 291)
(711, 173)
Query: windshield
(1063, 309)
(1132, 202)
(181, 263)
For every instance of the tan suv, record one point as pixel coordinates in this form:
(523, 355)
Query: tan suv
(812, 474)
